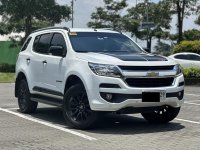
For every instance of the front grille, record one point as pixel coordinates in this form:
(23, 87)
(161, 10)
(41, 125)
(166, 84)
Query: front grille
(149, 82)
(145, 68)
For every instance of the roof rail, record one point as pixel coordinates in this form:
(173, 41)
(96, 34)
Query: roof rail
(105, 29)
(111, 29)
(65, 28)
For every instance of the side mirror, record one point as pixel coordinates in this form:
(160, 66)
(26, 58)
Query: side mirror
(57, 51)
(146, 49)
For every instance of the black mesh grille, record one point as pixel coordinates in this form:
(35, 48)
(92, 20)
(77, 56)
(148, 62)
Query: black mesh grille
(149, 82)
(146, 68)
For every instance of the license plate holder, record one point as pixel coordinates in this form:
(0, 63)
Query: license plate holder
(151, 97)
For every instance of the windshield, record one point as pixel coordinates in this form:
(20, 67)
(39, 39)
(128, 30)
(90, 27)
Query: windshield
(102, 42)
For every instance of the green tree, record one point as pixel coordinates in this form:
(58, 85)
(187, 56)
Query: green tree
(163, 48)
(158, 13)
(28, 15)
(197, 21)
(191, 35)
(182, 8)
(108, 16)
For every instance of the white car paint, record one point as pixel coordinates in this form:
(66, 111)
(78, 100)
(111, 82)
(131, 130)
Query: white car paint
(57, 68)
(184, 62)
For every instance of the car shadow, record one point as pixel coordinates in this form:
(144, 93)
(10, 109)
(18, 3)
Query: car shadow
(110, 123)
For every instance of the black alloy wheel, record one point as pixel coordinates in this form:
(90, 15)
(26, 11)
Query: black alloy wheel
(162, 115)
(76, 108)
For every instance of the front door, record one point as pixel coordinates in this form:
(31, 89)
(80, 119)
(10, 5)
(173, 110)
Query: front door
(54, 67)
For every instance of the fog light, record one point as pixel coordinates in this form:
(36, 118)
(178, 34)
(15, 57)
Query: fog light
(180, 95)
(109, 97)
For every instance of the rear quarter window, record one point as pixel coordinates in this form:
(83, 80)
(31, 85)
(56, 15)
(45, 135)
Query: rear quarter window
(24, 47)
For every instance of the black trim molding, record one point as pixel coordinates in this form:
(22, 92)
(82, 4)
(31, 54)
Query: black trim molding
(47, 91)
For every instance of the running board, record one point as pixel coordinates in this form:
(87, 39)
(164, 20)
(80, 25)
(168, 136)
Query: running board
(47, 100)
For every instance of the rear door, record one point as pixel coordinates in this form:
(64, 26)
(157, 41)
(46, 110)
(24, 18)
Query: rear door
(195, 60)
(37, 61)
(183, 60)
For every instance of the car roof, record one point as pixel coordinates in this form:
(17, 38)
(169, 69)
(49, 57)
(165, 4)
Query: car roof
(184, 53)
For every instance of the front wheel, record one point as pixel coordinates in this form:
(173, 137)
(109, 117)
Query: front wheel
(163, 115)
(76, 108)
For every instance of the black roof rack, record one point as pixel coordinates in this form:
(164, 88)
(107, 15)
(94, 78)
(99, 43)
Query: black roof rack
(65, 28)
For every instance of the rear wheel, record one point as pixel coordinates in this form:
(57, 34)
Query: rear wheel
(24, 102)
(163, 115)
(76, 108)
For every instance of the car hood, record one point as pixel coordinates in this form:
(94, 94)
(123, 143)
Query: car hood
(125, 58)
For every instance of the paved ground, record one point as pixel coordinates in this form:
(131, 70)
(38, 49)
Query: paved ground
(46, 128)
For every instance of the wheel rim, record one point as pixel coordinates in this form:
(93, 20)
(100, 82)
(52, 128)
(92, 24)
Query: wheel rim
(79, 108)
(162, 111)
(22, 97)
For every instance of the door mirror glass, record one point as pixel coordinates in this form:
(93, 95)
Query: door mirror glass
(57, 51)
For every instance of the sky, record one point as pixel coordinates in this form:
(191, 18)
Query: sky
(84, 8)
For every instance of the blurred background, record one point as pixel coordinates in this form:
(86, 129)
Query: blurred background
(165, 27)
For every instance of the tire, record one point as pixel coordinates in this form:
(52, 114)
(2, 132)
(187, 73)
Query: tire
(76, 108)
(163, 115)
(24, 102)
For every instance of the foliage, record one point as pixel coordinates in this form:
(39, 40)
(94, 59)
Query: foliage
(7, 77)
(188, 46)
(109, 16)
(27, 15)
(162, 48)
(7, 68)
(191, 72)
(158, 13)
(191, 35)
(182, 8)
(197, 21)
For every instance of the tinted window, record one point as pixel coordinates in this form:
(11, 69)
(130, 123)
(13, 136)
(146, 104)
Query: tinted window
(102, 42)
(58, 40)
(182, 57)
(41, 43)
(194, 57)
(35, 43)
(26, 44)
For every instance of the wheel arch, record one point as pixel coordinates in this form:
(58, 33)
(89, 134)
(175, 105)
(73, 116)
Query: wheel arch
(72, 80)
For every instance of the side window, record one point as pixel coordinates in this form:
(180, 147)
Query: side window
(41, 43)
(26, 44)
(58, 40)
(181, 57)
(35, 43)
(194, 57)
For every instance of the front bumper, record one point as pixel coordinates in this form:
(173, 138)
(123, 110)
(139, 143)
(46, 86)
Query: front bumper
(97, 103)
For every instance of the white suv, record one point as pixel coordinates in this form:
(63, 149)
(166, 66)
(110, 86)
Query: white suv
(89, 71)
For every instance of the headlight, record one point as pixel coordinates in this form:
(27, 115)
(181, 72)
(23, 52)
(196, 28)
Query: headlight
(105, 70)
(177, 68)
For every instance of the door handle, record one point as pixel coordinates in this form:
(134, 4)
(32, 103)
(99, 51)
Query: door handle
(44, 62)
(28, 60)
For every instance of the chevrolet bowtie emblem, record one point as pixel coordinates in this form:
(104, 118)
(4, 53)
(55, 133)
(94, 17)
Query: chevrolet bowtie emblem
(152, 74)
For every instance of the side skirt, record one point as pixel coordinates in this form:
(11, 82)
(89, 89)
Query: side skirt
(47, 100)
